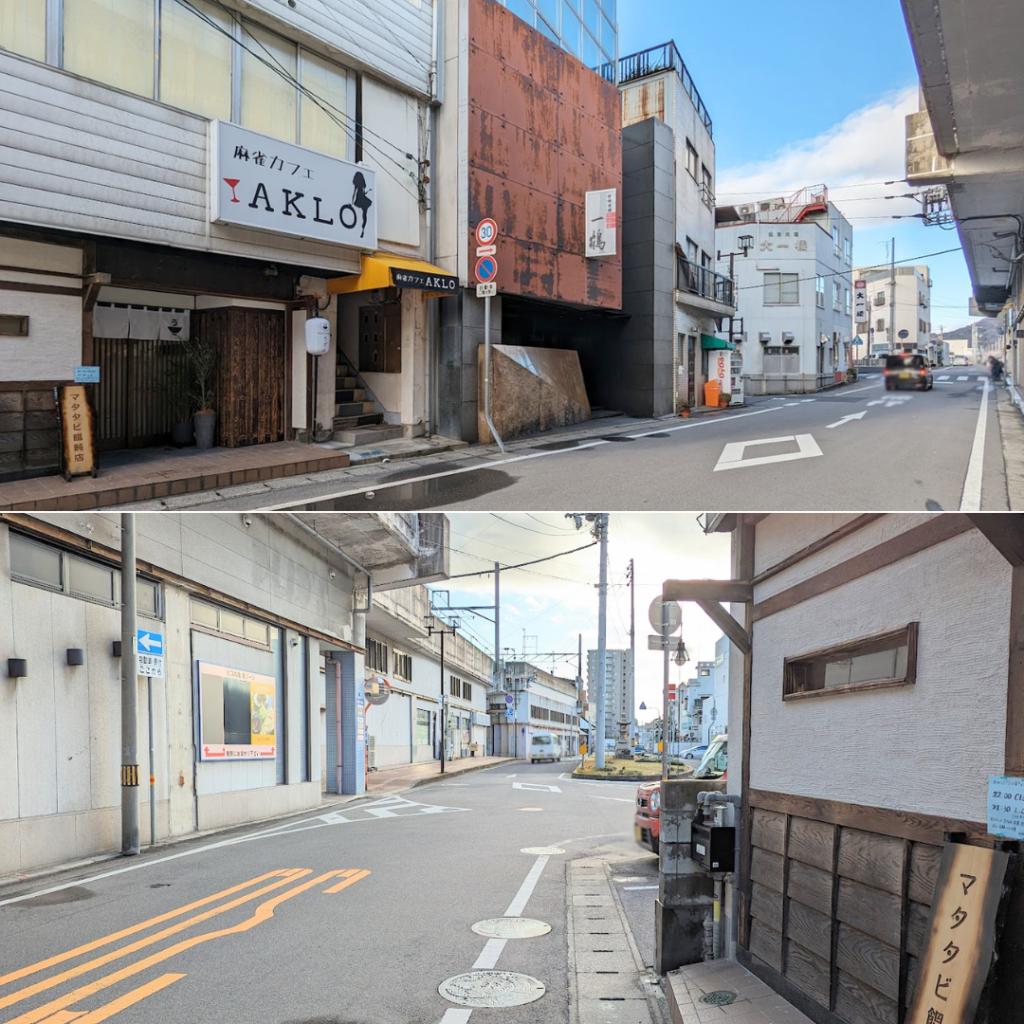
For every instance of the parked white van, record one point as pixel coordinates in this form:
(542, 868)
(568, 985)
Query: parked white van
(545, 746)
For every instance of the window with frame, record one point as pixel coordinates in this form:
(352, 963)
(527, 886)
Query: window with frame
(467, 690)
(454, 686)
(847, 302)
(819, 291)
(879, 326)
(200, 58)
(781, 289)
(848, 251)
(376, 655)
(835, 239)
(43, 565)
(403, 666)
(835, 295)
(213, 618)
(879, 661)
(692, 160)
(422, 726)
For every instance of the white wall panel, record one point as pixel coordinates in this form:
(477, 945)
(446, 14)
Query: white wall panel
(929, 747)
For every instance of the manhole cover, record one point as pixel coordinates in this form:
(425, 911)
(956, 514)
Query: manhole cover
(491, 988)
(511, 928)
(720, 998)
(541, 851)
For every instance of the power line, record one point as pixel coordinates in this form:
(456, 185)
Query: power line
(520, 526)
(535, 561)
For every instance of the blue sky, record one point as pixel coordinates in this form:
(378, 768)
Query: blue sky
(804, 93)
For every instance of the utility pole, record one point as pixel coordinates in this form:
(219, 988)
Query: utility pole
(445, 629)
(600, 531)
(498, 674)
(631, 694)
(892, 298)
(129, 693)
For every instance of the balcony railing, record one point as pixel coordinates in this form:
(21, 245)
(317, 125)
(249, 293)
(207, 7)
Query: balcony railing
(703, 281)
(663, 58)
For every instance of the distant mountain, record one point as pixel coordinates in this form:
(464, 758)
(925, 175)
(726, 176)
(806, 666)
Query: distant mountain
(988, 332)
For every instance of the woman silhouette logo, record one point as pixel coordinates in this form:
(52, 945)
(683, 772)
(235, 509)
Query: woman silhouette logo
(361, 198)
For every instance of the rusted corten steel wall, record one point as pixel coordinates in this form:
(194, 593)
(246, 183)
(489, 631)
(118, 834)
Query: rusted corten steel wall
(543, 131)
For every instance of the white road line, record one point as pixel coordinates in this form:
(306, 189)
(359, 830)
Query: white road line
(636, 887)
(489, 957)
(518, 905)
(732, 454)
(456, 1016)
(536, 787)
(617, 799)
(497, 463)
(970, 500)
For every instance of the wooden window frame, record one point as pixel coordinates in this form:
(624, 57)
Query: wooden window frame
(874, 642)
(401, 662)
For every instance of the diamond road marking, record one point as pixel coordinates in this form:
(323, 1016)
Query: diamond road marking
(732, 454)
(536, 787)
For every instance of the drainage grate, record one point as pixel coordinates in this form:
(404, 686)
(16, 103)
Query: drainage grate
(720, 998)
(511, 928)
(491, 988)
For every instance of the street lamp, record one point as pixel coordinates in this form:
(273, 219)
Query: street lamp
(445, 629)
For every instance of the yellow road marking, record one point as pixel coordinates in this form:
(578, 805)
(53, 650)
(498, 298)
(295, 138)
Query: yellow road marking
(52, 961)
(90, 965)
(64, 1017)
(354, 876)
(128, 999)
(263, 912)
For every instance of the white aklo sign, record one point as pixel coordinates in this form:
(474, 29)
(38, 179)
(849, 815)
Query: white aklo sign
(260, 182)
(602, 223)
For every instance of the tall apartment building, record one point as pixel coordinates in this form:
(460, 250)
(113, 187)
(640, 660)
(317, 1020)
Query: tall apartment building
(617, 713)
(585, 28)
(675, 297)
(910, 288)
(792, 260)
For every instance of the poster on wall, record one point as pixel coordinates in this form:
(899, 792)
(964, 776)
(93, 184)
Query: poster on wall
(238, 714)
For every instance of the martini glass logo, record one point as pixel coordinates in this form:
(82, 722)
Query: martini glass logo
(231, 183)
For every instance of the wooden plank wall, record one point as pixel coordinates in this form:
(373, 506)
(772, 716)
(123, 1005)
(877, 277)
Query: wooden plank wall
(840, 913)
(29, 433)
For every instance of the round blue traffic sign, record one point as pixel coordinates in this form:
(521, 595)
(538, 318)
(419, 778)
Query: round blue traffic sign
(486, 269)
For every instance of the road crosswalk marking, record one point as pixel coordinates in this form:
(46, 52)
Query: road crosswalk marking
(945, 376)
(965, 377)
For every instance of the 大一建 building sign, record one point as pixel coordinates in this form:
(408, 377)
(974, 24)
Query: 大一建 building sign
(260, 182)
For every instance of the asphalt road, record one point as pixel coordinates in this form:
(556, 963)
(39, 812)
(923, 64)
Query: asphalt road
(855, 448)
(372, 951)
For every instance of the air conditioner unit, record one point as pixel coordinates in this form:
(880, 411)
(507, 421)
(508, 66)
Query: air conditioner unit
(746, 209)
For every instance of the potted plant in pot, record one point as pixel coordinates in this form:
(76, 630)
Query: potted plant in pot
(202, 364)
(684, 410)
(724, 400)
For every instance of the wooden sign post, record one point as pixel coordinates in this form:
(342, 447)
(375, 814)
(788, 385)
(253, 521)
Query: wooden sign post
(962, 936)
(77, 431)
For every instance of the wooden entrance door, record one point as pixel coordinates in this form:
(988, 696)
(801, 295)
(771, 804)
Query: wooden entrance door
(250, 372)
(133, 407)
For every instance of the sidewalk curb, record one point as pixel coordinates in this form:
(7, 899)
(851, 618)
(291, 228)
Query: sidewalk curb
(1011, 436)
(462, 771)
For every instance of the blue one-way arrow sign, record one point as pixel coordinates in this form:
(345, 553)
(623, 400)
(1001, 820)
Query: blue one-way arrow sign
(150, 653)
(151, 643)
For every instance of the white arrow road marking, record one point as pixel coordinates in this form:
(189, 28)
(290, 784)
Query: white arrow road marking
(970, 500)
(846, 419)
(732, 454)
(536, 787)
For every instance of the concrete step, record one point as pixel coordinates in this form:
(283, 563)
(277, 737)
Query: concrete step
(350, 395)
(367, 435)
(353, 408)
(345, 380)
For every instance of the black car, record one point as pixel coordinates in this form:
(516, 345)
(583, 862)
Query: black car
(907, 370)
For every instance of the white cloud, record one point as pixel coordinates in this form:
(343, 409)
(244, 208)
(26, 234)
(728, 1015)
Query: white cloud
(867, 146)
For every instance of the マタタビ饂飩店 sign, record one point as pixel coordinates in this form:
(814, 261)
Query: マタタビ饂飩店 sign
(962, 936)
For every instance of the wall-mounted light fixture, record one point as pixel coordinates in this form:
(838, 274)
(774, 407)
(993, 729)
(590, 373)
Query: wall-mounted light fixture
(115, 649)
(17, 668)
(75, 656)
